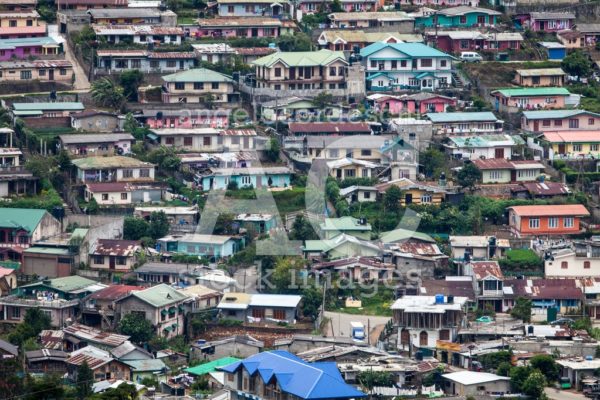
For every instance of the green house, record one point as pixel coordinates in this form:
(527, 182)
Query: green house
(461, 16)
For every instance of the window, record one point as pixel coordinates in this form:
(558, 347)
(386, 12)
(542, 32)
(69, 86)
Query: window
(463, 19)
(179, 85)
(198, 85)
(365, 153)
(594, 147)
(215, 85)
(154, 64)
(277, 72)
(564, 265)
(586, 265)
(206, 141)
(373, 64)
(25, 74)
(121, 260)
(98, 259)
(426, 198)
(534, 223)
(230, 9)
(62, 71)
(443, 63)
(576, 147)
(402, 63)
(591, 121)
(41, 72)
(365, 172)
(332, 71)
(29, 22)
(16, 313)
(426, 62)
(144, 173)
(170, 140)
(136, 64)
(127, 173)
(558, 122)
(279, 314)
(121, 64)
(104, 196)
(568, 222)
(464, 44)
(12, 23)
(546, 122)
(535, 80)
(553, 222)
(367, 195)
(394, 64)
(495, 174)
(334, 153)
(573, 123)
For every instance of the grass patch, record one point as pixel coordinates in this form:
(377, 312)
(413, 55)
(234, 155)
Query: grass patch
(186, 20)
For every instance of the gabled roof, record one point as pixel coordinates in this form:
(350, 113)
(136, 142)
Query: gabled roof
(109, 162)
(58, 106)
(25, 218)
(556, 114)
(329, 127)
(148, 365)
(462, 10)
(114, 292)
(330, 244)
(536, 91)
(484, 269)
(116, 247)
(558, 210)
(552, 15)
(302, 58)
(197, 75)
(541, 72)
(345, 162)
(572, 136)
(468, 378)
(211, 366)
(93, 335)
(501, 163)
(94, 138)
(344, 224)
(93, 356)
(447, 287)
(410, 49)
(9, 348)
(400, 234)
(321, 380)
(544, 289)
(159, 295)
(67, 284)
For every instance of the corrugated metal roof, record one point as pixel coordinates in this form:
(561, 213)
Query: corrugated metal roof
(160, 295)
(537, 91)
(483, 116)
(558, 210)
(211, 366)
(116, 247)
(89, 334)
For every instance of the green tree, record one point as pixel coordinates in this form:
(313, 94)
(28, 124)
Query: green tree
(534, 385)
(131, 80)
(159, 225)
(322, 100)
(493, 360)
(34, 321)
(468, 176)
(336, 6)
(283, 275)
(135, 228)
(518, 375)
(391, 199)
(370, 379)
(302, 229)
(272, 151)
(522, 309)
(85, 378)
(433, 161)
(137, 327)
(503, 368)
(546, 363)
(48, 387)
(123, 392)
(479, 104)
(577, 64)
(312, 299)
(106, 93)
(517, 260)
(297, 42)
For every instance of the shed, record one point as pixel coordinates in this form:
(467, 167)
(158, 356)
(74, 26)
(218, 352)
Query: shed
(554, 50)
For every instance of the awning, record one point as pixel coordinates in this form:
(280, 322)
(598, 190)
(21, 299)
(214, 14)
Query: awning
(172, 310)
(152, 136)
(175, 326)
(181, 307)
(164, 312)
(167, 328)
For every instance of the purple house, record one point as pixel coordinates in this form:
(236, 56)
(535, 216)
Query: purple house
(547, 21)
(25, 47)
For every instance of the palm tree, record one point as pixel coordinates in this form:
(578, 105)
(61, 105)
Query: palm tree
(106, 93)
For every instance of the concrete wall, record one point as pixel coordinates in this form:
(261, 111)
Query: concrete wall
(230, 349)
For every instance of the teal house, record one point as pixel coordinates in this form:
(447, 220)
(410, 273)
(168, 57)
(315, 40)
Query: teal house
(259, 223)
(66, 288)
(456, 17)
(256, 177)
(195, 244)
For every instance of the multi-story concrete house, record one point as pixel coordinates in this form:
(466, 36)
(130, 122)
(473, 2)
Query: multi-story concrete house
(487, 146)
(252, 8)
(118, 60)
(464, 123)
(313, 6)
(443, 3)
(547, 21)
(540, 77)
(459, 41)
(162, 305)
(114, 255)
(580, 260)
(573, 145)
(423, 320)
(559, 120)
(25, 47)
(397, 21)
(139, 34)
(228, 27)
(257, 307)
(20, 227)
(511, 100)
(400, 66)
(350, 39)
(21, 24)
(546, 220)
(456, 17)
(132, 16)
(199, 85)
(113, 169)
(322, 70)
(207, 139)
(501, 170)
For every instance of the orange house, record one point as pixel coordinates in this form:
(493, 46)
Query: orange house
(546, 220)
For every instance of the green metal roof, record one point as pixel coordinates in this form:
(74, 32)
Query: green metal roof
(26, 218)
(482, 141)
(482, 116)
(556, 114)
(7, 44)
(344, 224)
(540, 91)
(47, 250)
(27, 113)
(79, 232)
(67, 105)
(153, 364)
(160, 295)
(301, 58)
(404, 234)
(65, 284)
(197, 75)
(212, 366)
(410, 49)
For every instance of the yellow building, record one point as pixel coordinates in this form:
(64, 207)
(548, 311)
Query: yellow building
(197, 86)
(39, 70)
(21, 24)
(554, 77)
(414, 192)
(573, 144)
(345, 168)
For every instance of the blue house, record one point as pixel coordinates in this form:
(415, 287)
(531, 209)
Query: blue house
(256, 177)
(259, 223)
(455, 17)
(555, 50)
(194, 244)
(274, 373)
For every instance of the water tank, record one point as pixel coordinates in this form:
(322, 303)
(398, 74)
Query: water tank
(419, 355)
(589, 358)
(439, 299)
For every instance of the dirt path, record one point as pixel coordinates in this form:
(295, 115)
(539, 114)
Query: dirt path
(81, 79)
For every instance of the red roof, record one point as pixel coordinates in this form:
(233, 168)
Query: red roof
(255, 51)
(573, 136)
(329, 127)
(546, 188)
(114, 292)
(107, 187)
(483, 269)
(561, 210)
(492, 163)
(545, 289)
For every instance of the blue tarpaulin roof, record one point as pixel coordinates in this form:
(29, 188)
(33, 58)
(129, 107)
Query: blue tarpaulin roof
(319, 380)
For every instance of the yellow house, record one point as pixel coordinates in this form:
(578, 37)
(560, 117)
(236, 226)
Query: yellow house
(573, 144)
(554, 77)
(414, 192)
(197, 86)
(350, 168)
(15, 25)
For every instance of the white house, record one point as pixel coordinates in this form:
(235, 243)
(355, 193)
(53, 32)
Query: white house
(474, 147)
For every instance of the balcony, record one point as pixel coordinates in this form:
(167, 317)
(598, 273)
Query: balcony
(23, 302)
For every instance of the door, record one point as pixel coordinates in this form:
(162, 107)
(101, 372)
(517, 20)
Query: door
(561, 149)
(423, 338)
(408, 198)
(513, 176)
(111, 262)
(254, 32)
(181, 64)
(499, 153)
(292, 73)
(51, 75)
(536, 126)
(481, 19)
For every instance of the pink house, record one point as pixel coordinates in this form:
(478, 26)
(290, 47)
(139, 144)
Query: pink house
(419, 103)
(313, 6)
(530, 98)
(443, 3)
(23, 48)
(547, 21)
(157, 119)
